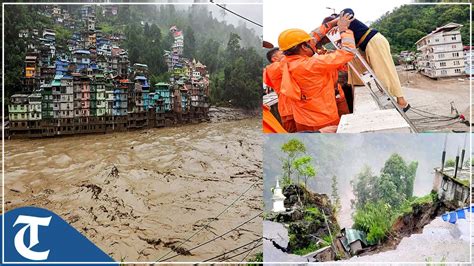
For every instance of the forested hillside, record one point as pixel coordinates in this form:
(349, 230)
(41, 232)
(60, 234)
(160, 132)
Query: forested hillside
(407, 24)
(232, 54)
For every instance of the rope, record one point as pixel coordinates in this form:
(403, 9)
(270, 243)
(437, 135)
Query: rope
(217, 237)
(240, 16)
(232, 250)
(215, 218)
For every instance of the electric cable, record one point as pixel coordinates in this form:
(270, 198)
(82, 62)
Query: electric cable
(228, 10)
(215, 218)
(232, 250)
(217, 237)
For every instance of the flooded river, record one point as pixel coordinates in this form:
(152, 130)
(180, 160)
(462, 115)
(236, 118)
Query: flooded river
(138, 194)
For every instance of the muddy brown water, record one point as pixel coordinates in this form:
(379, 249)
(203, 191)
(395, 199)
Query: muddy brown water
(137, 194)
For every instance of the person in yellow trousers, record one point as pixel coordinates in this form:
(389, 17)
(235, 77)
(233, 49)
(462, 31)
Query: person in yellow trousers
(376, 49)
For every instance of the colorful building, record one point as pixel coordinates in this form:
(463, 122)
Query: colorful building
(18, 107)
(163, 91)
(46, 101)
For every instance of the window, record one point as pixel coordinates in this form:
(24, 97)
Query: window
(456, 63)
(457, 70)
(453, 46)
(453, 38)
(442, 64)
(443, 72)
(455, 54)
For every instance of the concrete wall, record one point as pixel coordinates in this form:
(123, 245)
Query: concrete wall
(369, 117)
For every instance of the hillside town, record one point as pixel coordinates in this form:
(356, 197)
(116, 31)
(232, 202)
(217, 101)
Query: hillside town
(90, 86)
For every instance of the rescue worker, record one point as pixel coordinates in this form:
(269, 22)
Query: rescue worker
(307, 80)
(269, 123)
(274, 55)
(376, 49)
(284, 104)
(343, 91)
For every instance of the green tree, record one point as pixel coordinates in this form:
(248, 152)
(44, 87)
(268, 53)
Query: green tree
(336, 200)
(190, 43)
(304, 169)
(375, 219)
(405, 25)
(292, 149)
(363, 187)
(394, 185)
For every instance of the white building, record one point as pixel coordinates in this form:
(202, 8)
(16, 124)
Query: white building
(278, 199)
(34, 106)
(442, 52)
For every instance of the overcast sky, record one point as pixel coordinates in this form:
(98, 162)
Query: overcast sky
(307, 14)
(250, 9)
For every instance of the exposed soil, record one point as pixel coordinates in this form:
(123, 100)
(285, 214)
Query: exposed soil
(406, 225)
(435, 96)
(219, 114)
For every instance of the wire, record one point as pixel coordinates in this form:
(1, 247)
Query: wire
(217, 237)
(416, 110)
(228, 10)
(256, 245)
(215, 218)
(232, 250)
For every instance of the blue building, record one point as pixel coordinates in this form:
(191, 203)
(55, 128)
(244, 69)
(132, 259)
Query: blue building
(162, 91)
(145, 91)
(62, 67)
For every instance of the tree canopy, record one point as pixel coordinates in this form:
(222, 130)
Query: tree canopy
(407, 24)
(378, 198)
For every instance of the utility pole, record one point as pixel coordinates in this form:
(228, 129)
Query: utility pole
(333, 9)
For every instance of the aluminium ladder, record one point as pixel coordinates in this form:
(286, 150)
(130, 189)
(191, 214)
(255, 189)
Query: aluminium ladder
(377, 90)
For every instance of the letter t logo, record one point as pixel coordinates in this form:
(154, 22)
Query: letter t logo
(32, 223)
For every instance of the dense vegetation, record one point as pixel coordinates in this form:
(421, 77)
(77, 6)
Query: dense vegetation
(380, 198)
(297, 170)
(232, 54)
(407, 24)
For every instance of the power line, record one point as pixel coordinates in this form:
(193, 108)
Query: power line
(232, 250)
(210, 221)
(217, 237)
(256, 245)
(228, 10)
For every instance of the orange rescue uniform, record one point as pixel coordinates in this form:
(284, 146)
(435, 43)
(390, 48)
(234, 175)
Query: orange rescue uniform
(309, 82)
(270, 123)
(272, 78)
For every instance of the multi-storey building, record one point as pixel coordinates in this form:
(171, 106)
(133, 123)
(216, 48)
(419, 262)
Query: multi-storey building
(34, 106)
(163, 91)
(46, 101)
(66, 107)
(441, 52)
(97, 100)
(120, 95)
(18, 107)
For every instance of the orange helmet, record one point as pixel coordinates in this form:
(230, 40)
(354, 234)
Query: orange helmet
(292, 37)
